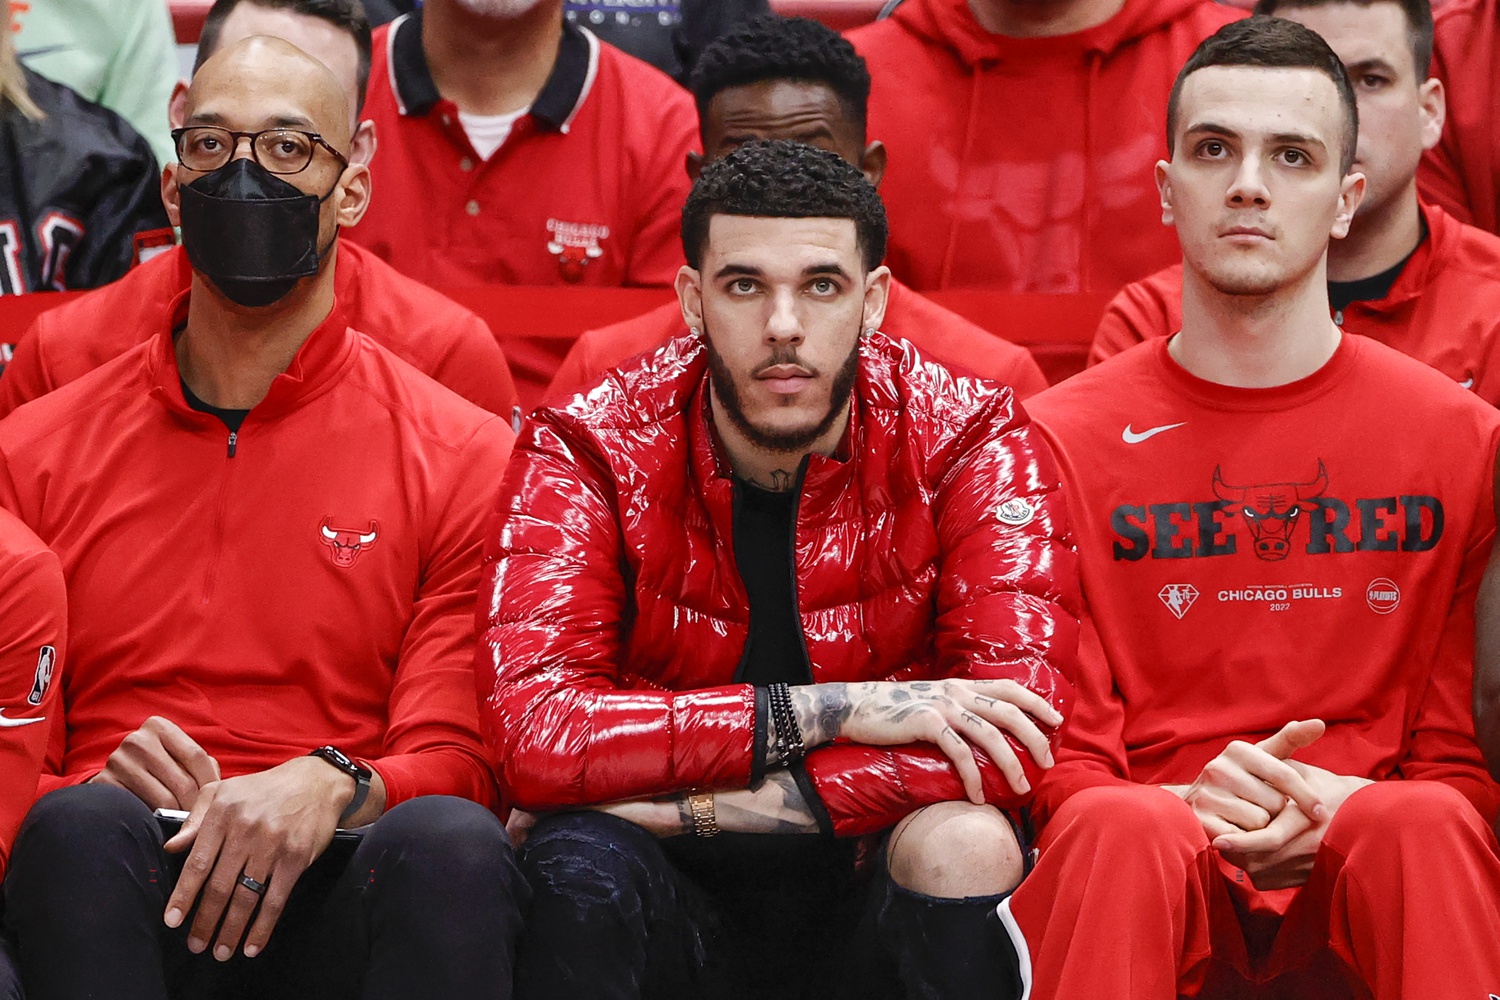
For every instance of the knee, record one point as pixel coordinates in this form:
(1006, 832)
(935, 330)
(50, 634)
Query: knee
(952, 850)
(594, 860)
(1390, 813)
(1136, 818)
(442, 835)
(72, 824)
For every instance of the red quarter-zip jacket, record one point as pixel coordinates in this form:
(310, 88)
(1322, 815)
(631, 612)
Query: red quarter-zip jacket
(1443, 310)
(33, 630)
(1025, 164)
(307, 580)
(427, 330)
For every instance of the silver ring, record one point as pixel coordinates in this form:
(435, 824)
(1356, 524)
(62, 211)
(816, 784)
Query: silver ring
(259, 888)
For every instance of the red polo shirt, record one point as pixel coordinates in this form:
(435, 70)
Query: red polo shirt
(588, 188)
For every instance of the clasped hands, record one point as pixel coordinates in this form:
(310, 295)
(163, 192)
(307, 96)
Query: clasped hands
(1265, 812)
(268, 827)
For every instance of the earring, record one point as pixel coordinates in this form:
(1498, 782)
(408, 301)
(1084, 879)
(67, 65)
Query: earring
(694, 331)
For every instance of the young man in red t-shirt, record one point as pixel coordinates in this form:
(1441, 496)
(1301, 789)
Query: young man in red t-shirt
(1271, 769)
(793, 78)
(1408, 274)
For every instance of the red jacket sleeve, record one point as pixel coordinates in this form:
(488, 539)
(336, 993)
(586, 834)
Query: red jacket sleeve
(26, 376)
(1441, 176)
(432, 744)
(563, 728)
(33, 625)
(1007, 605)
(474, 366)
(1141, 310)
(1025, 376)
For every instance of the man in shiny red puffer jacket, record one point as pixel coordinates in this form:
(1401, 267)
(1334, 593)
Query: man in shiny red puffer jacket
(778, 585)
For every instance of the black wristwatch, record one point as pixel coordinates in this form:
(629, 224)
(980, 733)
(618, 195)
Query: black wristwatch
(353, 769)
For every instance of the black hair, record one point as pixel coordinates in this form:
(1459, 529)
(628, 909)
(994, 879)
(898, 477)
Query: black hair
(1418, 23)
(770, 47)
(346, 15)
(784, 180)
(1274, 43)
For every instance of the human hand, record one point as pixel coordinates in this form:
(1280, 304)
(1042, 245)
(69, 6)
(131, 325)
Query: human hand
(956, 715)
(269, 827)
(1280, 855)
(1247, 786)
(518, 826)
(161, 765)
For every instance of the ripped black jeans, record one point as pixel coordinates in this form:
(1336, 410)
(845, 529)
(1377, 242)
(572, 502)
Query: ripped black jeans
(618, 915)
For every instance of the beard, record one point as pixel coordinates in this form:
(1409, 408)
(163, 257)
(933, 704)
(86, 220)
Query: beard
(779, 441)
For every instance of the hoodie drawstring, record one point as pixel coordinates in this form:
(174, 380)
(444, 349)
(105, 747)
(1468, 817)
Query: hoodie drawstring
(976, 73)
(1090, 208)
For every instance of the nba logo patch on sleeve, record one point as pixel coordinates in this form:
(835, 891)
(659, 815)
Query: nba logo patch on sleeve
(43, 679)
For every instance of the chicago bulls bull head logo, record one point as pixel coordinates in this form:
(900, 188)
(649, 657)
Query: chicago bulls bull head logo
(1272, 511)
(346, 545)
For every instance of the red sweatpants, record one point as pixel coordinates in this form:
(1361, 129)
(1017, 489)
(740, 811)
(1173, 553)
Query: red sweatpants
(1129, 900)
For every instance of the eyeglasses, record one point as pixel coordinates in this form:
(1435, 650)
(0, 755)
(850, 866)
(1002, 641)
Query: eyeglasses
(277, 150)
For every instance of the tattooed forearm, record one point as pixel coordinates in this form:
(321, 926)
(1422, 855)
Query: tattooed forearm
(774, 806)
(821, 711)
(684, 814)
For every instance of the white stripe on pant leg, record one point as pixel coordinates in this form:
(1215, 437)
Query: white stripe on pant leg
(1018, 941)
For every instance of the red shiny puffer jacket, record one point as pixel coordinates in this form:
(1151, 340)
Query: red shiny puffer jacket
(613, 618)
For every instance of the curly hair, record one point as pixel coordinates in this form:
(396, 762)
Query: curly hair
(770, 47)
(784, 180)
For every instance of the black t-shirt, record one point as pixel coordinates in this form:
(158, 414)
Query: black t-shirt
(1373, 288)
(232, 418)
(763, 526)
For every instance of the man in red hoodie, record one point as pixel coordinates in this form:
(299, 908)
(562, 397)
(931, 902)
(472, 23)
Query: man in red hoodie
(1018, 133)
(427, 330)
(1462, 173)
(792, 78)
(1408, 274)
(1271, 769)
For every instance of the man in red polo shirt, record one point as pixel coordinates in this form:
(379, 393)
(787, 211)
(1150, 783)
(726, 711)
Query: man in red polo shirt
(792, 78)
(515, 148)
(1408, 274)
(1271, 769)
(1017, 131)
(429, 331)
(1462, 172)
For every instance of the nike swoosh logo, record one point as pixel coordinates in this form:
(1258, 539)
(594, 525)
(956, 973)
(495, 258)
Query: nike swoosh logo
(13, 723)
(1131, 437)
(1468, 383)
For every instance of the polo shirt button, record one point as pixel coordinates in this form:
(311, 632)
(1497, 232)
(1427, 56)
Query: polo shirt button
(447, 120)
(472, 208)
(466, 164)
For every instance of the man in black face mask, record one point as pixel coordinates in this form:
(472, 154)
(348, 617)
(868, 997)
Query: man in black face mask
(271, 551)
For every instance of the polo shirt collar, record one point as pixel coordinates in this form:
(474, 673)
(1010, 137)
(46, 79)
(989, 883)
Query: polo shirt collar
(562, 95)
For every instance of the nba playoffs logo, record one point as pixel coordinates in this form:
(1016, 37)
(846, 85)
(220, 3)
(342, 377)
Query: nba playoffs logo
(1383, 596)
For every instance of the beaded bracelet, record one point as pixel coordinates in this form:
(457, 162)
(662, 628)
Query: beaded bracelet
(789, 747)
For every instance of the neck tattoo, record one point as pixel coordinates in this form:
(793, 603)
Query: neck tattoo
(782, 481)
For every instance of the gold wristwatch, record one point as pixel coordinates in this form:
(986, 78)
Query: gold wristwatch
(704, 823)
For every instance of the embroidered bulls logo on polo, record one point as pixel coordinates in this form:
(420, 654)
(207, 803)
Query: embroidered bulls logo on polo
(574, 244)
(346, 543)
